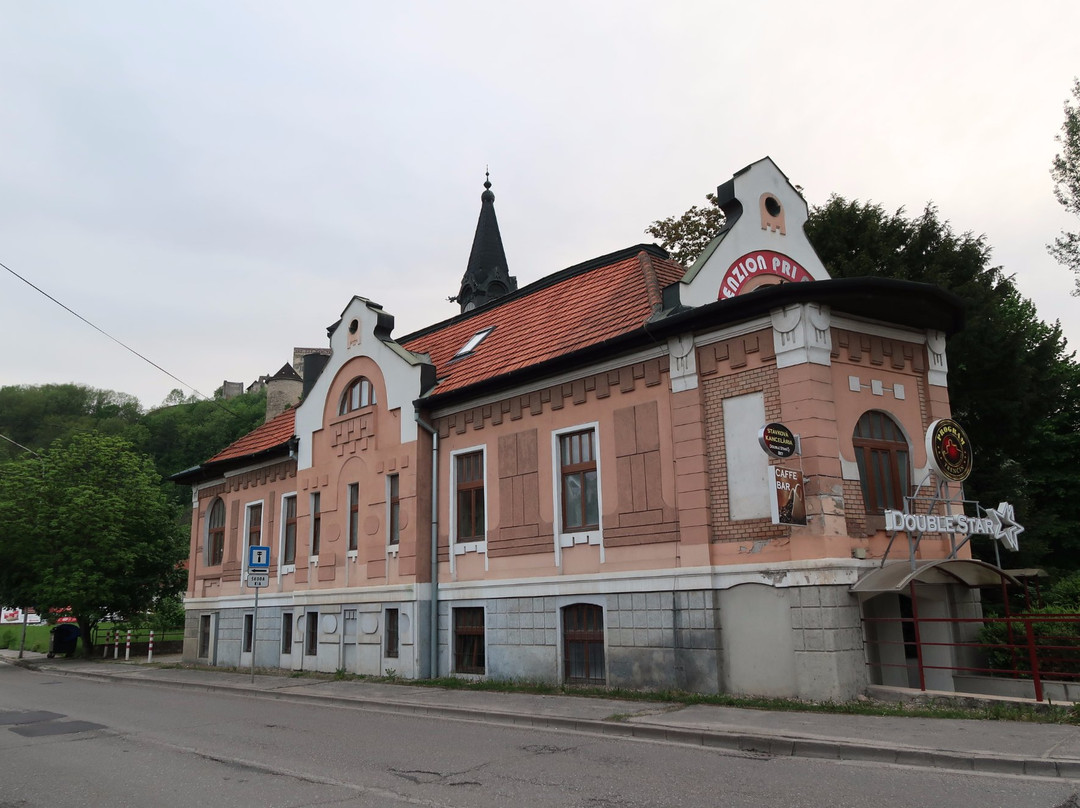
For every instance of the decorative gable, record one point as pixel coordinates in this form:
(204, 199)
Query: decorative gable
(361, 348)
(763, 241)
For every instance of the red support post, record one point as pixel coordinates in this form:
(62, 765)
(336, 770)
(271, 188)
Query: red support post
(918, 636)
(1033, 657)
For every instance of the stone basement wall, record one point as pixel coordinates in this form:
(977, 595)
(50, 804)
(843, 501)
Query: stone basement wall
(654, 640)
(826, 623)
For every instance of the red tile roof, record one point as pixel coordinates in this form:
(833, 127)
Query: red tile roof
(574, 309)
(552, 320)
(275, 432)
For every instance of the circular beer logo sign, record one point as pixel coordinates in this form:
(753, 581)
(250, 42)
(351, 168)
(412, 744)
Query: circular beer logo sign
(777, 440)
(949, 449)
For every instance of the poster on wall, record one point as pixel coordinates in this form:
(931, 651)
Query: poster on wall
(788, 501)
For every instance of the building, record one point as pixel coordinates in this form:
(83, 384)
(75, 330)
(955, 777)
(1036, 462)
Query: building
(565, 481)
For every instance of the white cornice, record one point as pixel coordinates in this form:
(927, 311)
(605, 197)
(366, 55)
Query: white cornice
(780, 575)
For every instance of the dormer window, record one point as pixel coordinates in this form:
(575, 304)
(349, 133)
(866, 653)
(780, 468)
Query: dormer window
(474, 342)
(359, 394)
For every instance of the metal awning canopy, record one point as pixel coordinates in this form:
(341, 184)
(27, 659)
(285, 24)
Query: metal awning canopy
(897, 577)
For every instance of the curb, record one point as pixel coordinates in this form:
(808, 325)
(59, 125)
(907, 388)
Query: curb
(740, 741)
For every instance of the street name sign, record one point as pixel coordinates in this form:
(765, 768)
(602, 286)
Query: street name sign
(258, 579)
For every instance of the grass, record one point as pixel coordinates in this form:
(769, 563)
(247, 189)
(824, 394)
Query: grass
(37, 637)
(959, 708)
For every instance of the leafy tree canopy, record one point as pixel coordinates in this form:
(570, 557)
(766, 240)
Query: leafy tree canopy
(183, 432)
(87, 525)
(1065, 171)
(1012, 382)
(686, 236)
(37, 416)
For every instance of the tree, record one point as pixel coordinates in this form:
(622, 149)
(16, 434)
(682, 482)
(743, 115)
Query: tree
(1065, 171)
(36, 416)
(686, 236)
(1012, 382)
(88, 526)
(187, 434)
(177, 435)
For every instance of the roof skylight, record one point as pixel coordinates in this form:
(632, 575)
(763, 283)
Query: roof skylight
(473, 342)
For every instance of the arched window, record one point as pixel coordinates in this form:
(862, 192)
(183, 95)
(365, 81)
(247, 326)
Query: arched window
(882, 453)
(215, 533)
(359, 394)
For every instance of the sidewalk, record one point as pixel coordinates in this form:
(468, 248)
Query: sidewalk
(997, 747)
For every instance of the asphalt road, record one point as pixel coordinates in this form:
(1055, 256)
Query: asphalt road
(68, 742)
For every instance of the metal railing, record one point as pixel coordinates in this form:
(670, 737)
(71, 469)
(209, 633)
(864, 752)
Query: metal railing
(1037, 647)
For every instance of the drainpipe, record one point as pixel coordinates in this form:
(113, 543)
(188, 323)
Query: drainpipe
(433, 626)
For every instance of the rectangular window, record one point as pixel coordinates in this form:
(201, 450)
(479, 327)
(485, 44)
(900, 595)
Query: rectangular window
(311, 634)
(288, 521)
(469, 484)
(316, 523)
(204, 636)
(254, 520)
(392, 633)
(393, 520)
(286, 633)
(583, 644)
(469, 640)
(579, 481)
(354, 515)
(249, 632)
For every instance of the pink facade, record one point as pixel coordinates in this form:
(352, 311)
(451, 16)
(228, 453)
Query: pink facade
(581, 455)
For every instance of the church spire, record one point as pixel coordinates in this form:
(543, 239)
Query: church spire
(486, 276)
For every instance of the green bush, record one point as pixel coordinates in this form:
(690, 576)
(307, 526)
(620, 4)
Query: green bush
(1057, 644)
(1064, 595)
(7, 639)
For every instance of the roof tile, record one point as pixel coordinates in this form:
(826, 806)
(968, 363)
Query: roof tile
(580, 311)
(275, 432)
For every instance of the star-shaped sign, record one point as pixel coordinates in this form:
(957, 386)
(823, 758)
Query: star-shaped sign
(1006, 528)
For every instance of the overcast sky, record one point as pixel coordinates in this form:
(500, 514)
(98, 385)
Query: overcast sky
(210, 182)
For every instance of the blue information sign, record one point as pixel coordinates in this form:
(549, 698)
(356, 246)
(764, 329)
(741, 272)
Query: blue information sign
(258, 557)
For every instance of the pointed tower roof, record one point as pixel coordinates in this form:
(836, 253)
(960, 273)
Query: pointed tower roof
(487, 276)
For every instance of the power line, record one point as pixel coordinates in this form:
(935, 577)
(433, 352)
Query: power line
(24, 448)
(114, 339)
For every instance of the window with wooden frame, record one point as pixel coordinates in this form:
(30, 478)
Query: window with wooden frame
(316, 523)
(249, 632)
(286, 632)
(215, 533)
(254, 525)
(469, 502)
(883, 457)
(311, 633)
(391, 633)
(579, 481)
(354, 516)
(359, 394)
(469, 639)
(393, 509)
(288, 522)
(583, 644)
(205, 629)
